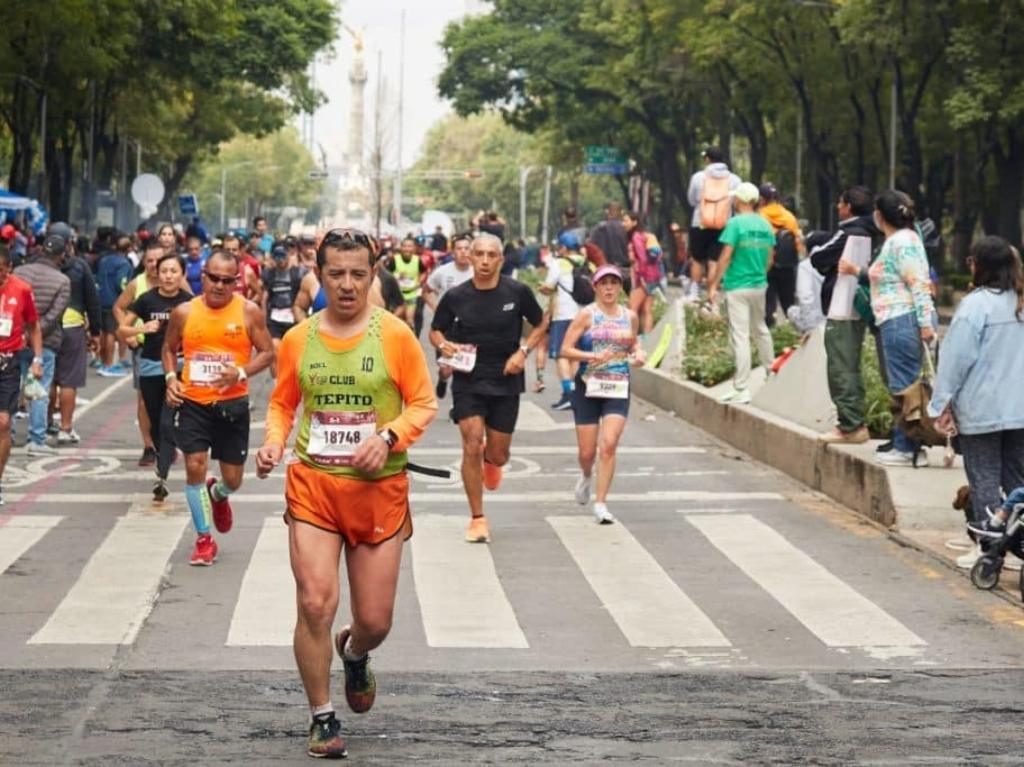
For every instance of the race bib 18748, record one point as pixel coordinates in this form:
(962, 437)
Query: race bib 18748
(334, 436)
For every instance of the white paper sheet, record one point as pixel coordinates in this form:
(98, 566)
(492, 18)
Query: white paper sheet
(857, 251)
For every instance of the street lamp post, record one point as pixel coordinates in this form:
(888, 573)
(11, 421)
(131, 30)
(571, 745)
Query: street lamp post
(524, 173)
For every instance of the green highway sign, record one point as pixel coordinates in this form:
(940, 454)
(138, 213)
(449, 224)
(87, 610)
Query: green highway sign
(605, 155)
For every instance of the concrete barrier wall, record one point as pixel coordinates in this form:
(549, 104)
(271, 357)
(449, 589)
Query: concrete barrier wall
(852, 481)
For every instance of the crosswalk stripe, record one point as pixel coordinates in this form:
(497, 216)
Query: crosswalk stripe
(648, 606)
(461, 599)
(116, 590)
(19, 534)
(448, 498)
(265, 611)
(832, 610)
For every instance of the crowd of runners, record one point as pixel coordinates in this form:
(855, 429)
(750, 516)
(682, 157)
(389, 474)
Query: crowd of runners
(336, 320)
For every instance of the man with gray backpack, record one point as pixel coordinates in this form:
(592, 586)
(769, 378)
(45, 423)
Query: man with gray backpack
(712, 207)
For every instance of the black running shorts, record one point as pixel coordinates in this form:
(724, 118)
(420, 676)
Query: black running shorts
(499, 412)
(221, 427)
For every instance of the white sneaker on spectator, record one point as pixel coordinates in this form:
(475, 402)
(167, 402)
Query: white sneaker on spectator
(899, 458)
(583, 490)
(966, 561)
(39, 449)
(736, 397)
(68, 437)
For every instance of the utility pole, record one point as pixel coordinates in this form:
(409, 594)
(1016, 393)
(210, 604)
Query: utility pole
(401, 108)
(547, 205)
(524, 173)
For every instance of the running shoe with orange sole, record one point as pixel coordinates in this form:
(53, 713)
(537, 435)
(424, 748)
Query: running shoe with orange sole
(492, 476)
(477, 532)
(222, 516)
(360, 683)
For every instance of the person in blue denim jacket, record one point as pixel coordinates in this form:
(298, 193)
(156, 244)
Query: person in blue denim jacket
(978, 389)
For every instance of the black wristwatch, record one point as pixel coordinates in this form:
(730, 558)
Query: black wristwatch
(388, 436)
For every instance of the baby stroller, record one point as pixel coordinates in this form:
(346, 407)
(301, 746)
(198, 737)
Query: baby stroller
(986, 571)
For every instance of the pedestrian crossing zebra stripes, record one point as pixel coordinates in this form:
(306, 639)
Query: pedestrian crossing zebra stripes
(461, 591)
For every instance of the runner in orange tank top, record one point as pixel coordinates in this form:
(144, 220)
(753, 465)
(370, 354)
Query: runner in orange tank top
(216, 332)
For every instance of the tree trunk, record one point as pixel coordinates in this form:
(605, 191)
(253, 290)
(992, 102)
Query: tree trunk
(1010, 180)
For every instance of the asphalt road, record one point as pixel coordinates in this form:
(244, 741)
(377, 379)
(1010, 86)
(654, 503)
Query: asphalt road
(729, 617)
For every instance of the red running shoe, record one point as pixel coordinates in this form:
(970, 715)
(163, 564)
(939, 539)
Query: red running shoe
(222, 517)
(492, 476)
(205, 551)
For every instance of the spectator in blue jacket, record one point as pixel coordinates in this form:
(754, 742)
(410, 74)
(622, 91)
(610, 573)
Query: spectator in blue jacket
(978, 389)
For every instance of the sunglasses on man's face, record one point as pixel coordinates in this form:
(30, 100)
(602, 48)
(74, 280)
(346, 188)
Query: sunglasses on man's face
(336, 236)
(218, 280)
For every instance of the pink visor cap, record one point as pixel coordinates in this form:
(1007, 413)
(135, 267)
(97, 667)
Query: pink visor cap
(604, 271)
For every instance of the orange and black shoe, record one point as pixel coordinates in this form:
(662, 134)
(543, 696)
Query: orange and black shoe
(360, 684)
(222, 516)
(325, 741)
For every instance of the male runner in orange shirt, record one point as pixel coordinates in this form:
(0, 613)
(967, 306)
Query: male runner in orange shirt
(365, 390)
(216, 333)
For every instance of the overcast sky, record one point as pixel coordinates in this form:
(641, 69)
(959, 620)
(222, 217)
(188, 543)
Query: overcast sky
(380, 22)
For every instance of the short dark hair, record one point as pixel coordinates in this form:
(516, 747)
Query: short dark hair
(346, 240)
(256, 220)
(170, 257)
(714, 154)
(859, 198)
(152, 244)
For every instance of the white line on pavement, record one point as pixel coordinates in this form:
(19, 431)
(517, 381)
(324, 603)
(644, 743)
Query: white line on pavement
(418, 452)
(833, 611)
(116, 590)
(460, 595)
(99, 398)
(20, 533)
(265, 611)
(540, 496)
(648, 606)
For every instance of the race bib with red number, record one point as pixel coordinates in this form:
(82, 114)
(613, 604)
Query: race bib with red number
(334, 437)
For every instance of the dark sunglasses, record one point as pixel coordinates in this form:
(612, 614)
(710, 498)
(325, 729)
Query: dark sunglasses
(337, 236)
(217, 280)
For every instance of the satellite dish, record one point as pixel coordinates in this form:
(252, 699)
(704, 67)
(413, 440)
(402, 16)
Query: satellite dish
(147, 190)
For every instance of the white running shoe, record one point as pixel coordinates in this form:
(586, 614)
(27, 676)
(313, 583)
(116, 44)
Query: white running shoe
(34, 448)
(966, 561)
(68, 437)
(736, 397)
(583, 490)
(602, 515)
(899, 458)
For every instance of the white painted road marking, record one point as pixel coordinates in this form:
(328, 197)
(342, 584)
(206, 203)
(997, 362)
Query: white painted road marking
(115, 592)
(460, 595)
(20, 533)
(265, 611)
(539, 496)
(648, 606)
(833, 611)
(418, 452)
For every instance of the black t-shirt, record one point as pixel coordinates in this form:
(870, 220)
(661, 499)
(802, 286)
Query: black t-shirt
(493, 320)
(153, 306)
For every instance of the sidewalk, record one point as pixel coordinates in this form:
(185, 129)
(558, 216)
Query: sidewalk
(914, 504)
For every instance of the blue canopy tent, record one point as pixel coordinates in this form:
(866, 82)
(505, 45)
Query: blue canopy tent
(12, 205)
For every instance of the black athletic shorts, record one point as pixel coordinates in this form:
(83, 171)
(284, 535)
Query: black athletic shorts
(221, 427)
(108, 324)
(499, 412)
(278, 329)
(704, 244)
(10, 384)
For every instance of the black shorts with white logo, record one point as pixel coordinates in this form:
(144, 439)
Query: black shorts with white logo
(10, 384)
(220, 427)
(500, 412)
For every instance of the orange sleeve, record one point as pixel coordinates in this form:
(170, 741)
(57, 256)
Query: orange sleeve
(285, 398)
(407, 367)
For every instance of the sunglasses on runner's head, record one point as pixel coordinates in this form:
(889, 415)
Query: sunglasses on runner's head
(335, 236)
(218, 280)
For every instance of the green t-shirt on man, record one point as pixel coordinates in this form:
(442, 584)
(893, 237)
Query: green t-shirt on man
(752, 240)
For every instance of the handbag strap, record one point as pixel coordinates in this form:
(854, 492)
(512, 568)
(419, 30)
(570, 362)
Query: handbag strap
(927, 363)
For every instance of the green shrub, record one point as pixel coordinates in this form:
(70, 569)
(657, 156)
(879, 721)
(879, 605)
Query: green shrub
(877, 401)
(708, 359)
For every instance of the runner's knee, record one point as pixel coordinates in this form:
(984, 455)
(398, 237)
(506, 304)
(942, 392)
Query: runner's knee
(318, 604)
